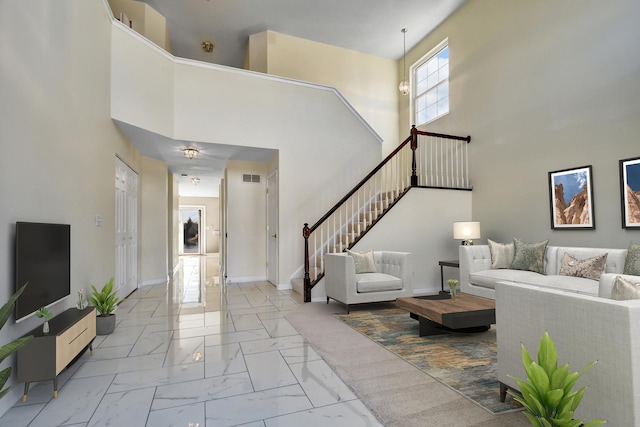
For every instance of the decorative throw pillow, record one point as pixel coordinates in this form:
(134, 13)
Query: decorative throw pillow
(624, 289)
(590, 268)
(632, 261)
(501, 254)
(529, 256)
(363, 261)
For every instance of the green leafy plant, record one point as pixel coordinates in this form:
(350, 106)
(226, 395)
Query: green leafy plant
(104, 300)
(44, 313)
(547, 396)
(8, 349)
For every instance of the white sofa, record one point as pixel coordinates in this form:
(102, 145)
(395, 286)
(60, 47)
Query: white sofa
(478, 278)
(392, 279)
(584, 328)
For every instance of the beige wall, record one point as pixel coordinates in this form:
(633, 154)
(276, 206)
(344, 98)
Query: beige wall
(145, 20)
(542, 86)
(369, 83)
(153, 231)
(212, 226)
(58, 141)
(420, 223)
(174, 222)
(246, 232)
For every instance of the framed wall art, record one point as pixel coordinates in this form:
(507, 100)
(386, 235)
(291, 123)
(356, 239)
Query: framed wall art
(571, 199)
(630, 192)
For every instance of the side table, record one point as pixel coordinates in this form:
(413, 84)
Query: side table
(442, 264)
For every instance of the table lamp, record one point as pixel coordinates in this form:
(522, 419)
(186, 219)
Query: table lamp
(466, 231)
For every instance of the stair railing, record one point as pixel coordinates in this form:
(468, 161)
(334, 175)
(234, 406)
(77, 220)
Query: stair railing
(424, 159)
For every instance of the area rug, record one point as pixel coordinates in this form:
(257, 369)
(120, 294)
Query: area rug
(465, 362)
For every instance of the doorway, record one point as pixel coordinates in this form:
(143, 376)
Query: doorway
(192, 239)
(126, 224)
(272, 228)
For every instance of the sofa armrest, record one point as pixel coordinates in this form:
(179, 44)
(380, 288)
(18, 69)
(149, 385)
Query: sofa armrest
(472, 258)
(396, 264)
(584, 328)
(339, 276)
(607, 280)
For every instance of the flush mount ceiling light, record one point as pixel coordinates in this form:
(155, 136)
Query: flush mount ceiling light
(207, 46)
(191, 153)
(404, 84)
(195, 180)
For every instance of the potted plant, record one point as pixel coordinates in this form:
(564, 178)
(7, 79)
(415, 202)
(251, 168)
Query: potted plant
(45, 314)
(547, 394)
(105, 301)
(453, 283)
(9, 348)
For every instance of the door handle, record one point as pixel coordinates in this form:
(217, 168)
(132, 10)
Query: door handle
(274, 235)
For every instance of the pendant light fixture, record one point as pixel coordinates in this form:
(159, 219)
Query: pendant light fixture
(404, 84)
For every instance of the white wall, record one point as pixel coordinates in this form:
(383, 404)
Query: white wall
(368, 82)
(58, 141)
(153, 231)
(246, 232)
(420, 223)
(318, 162)
(542, 86)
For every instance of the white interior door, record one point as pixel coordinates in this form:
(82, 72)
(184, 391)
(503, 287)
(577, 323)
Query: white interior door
(126, 224)
(272, 228)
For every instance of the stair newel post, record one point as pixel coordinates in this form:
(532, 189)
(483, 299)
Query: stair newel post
(414, 146)
(306, 232)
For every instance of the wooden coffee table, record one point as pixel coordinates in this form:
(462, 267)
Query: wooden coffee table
(438, 314)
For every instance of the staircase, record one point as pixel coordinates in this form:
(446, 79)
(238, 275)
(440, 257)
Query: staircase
(424, 159)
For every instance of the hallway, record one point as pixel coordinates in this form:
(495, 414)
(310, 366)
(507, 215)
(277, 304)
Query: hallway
(193, 354)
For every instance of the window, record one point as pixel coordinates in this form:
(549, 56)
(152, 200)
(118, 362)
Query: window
(431, 95)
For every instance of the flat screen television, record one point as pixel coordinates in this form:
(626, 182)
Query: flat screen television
(43, 259)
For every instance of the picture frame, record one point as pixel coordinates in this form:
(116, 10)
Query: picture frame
(630, 193)
(571, 199)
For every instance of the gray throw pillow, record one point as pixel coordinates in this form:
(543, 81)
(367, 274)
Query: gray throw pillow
(501, 254)
(363, 261)
(529, 256)
(590, 268)
(632, 261)
(624, 289)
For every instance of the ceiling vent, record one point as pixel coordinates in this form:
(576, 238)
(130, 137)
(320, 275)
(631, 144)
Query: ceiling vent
(247, 177)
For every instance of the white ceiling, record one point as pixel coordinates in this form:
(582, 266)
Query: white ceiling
(368, 26)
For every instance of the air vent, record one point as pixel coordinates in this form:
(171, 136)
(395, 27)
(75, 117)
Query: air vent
(247, 177)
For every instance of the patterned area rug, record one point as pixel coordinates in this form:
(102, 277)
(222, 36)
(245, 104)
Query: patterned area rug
(464, 362)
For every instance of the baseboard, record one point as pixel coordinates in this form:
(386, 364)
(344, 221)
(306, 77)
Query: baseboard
(426, 291)
(284, 287)
(153, 282)
(246, 279)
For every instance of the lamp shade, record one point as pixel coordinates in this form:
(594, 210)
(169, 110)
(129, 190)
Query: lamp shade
(466, 230)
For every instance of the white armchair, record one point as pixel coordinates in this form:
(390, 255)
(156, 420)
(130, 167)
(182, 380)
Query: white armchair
(392, 279)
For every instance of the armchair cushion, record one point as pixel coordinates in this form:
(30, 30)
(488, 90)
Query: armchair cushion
(375, 282)
(363, 261)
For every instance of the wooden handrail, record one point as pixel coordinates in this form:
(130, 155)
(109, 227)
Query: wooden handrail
(413, 139)
(358, 186)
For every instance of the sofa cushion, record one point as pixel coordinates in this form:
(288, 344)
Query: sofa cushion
(363, 261)
(529, 256)
(624, 289)
(377, 282)
(501, 254)
(489, 278)
(632, 261)
(590, 268)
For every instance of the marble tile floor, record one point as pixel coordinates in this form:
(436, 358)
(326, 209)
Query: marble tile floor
(195, 353)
